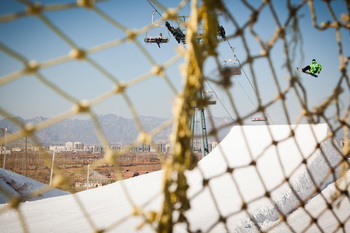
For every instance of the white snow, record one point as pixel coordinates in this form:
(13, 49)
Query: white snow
(110, 207)
(16, 185)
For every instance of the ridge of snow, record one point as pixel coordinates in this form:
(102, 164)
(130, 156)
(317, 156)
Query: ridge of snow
(17, 185)
(116, 202)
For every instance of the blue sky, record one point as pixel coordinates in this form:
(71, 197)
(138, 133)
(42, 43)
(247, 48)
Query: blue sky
(27, 97)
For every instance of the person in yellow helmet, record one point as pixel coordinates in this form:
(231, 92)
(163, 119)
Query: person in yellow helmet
(314, 68)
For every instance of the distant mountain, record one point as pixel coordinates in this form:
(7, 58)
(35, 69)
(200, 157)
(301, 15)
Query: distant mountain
(116, 129)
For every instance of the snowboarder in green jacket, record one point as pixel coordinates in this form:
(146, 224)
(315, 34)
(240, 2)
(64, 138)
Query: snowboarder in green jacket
(314, 68)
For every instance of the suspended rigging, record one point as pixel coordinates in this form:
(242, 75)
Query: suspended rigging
(180, 37)
(260, 118)
(176, 32)
(158, 40)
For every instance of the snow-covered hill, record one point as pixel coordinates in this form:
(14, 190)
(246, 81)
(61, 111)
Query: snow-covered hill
(16, 185)
(113, 207)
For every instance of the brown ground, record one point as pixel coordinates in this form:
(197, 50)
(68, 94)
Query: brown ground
(37, 166)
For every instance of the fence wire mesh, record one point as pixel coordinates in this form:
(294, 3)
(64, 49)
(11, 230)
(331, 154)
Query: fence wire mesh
(193, 55)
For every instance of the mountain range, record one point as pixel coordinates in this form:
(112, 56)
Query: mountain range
(115, 128)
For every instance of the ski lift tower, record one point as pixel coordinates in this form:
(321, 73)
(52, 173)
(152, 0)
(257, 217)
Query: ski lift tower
(208, 96)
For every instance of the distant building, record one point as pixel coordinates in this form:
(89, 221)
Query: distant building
(157, 147)
(2, 150)
(160, 147)
(116, 148)
(78, 145)
(69, 146)
(212, 145)
(98, 149)
(57, 148)
(16, 149)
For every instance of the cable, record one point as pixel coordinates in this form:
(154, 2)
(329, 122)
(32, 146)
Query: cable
(19, 138)
(251, 85)
(235, 56)
(219, 100)
(155, 9)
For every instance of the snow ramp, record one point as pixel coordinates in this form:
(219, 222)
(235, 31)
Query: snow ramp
(14, 184)
(239, 181)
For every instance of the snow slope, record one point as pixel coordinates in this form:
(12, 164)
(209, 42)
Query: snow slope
(16, 185)
(300, 220)
(110, 207)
